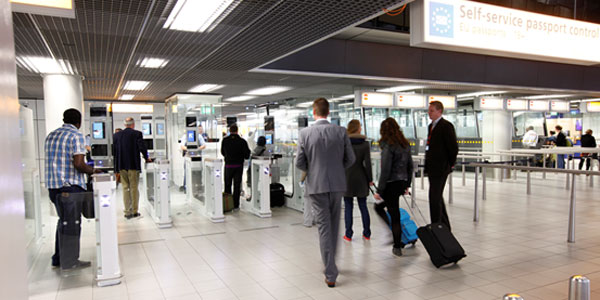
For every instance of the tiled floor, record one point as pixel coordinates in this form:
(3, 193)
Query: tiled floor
(519, 245)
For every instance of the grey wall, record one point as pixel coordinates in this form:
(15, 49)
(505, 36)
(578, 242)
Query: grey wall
(13, 278)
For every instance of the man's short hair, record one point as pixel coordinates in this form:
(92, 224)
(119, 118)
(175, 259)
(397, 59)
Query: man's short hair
(558, 127)
(321, 107)
(438, 105)
(129, 121)
(589, 131)
(233, 128)
(529, 128)
(72, 116)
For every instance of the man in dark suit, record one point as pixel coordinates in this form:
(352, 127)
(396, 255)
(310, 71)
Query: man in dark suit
(561, 141)
(324, 153)
(128, 145)
(440, 157)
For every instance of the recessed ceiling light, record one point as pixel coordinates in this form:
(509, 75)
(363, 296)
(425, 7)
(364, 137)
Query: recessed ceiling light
(350, 96)
(127, 97)
(45, 65)
(268, 90)
(135, 85)
(152, 62)
(199, 15)
(240, 98)
(221, 104)
(401, 88)
(477, 94)
(204, 88)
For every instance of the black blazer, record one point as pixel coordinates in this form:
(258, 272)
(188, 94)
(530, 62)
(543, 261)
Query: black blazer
(443, 149)
(234, 149)
(561, 139)
(128, 145)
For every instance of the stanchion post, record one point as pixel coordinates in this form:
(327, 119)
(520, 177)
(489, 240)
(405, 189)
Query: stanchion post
(528, 179)
(413, 195)
(463, 172)
(515, 164)
(544, 165)
(475, 204)
(579, 288)
(422, 174)
(450, 189)
(571, 238)
(484, 184)
(567, 177)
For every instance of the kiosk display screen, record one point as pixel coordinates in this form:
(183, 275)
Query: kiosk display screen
(190, 121)
(269, 138)
(191, 136)
(147, 128)
(98, 130)
(160, 129)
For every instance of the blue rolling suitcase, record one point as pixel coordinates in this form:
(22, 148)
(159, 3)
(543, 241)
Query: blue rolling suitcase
(409, 228)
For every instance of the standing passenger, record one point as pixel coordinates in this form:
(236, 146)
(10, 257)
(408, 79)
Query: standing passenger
(358, 178)
(396, 176)
(129, 144)
(530, 138)
(440, 156)
(324, 152)
(235, 150)
(587, 140)
(561, 141)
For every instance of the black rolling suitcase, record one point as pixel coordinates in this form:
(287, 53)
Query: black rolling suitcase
(440, 243)
(277, 194)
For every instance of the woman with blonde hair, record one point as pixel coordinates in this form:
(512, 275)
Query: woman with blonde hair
(358, 179)
(395, 177)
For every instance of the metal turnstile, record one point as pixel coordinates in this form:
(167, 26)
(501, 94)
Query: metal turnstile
(155, 177)
(213, 186)
(107, 248)
(260, 202)
(194, 183)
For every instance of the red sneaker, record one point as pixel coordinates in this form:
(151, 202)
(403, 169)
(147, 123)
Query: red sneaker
(368, 238)
(347, 238)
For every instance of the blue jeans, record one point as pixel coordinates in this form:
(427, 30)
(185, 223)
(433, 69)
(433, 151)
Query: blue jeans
(560, 160)
(364, 214)
(68, 228)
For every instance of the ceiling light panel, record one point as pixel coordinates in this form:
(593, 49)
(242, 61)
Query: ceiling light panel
(205, 88)
(152, 62)
(477, 94)
(127, 97)
(546, 97)
(135, 85)
(45, 65)
(268, 90)
(198, 15)
(240, 98)
(400, 88)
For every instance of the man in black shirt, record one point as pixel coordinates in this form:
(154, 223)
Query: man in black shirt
(587, 140)
(235, 150)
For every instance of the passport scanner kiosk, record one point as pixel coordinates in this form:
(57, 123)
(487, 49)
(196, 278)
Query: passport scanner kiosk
(153, 132)
(155, 182)
(108, 271)
(101, 133)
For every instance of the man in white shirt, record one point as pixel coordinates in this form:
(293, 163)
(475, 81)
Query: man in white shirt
(530, 138)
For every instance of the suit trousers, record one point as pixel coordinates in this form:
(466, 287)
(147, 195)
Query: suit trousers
(131, 195)
(68, 228)
(234, 175)
(437, 208)
(328, 208)
(308, 214)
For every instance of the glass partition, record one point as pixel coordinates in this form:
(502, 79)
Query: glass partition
(31, 177)
(372, 121)
(421, 119)
(466, 124)
(523, 119)
(405, 121)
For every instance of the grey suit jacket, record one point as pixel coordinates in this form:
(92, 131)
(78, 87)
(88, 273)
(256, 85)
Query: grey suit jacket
(324, 153)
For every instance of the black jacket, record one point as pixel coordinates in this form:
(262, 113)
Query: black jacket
(128, 145)
(235, 150)
(561, 139)
(443, 149)
(588, 140)
(359, 174)
(396, 165)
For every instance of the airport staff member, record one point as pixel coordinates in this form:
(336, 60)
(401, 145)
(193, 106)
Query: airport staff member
(530, 138)
(65, 174)
(440, 156)
(129, 144)
(235, 150)
(324, 153)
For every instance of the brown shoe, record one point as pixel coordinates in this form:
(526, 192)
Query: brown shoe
(330, 284)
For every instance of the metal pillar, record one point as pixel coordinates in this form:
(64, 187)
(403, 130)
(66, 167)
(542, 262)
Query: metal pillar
(512, 297)
(579, 288)
(463, 172)
(571, 238)
(475, 203)
(484, 184)
(450, 189)
(528, 179)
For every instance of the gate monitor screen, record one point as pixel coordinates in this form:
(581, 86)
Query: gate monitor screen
(190, 121)
(98, 130)
(269, 138)
(147, 128)
(191, 136)
(149, 144)
(160, 129)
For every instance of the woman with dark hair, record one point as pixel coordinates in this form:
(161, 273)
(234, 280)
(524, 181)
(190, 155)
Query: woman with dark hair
(358, 179)
(395, 177)
(260, 148)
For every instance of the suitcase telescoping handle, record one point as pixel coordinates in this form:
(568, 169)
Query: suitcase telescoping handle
(407, 205)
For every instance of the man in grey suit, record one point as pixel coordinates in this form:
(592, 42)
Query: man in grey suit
(324, 153)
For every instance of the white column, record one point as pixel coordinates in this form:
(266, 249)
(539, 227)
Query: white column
(62, 92)
(13, 278)
(496, 133)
